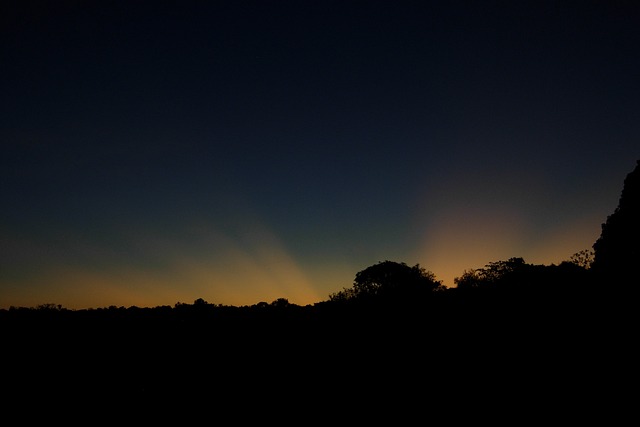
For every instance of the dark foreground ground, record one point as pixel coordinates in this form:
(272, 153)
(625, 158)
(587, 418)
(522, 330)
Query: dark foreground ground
(484, 362)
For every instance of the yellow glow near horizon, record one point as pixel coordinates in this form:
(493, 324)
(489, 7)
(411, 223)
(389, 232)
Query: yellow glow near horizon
(245, 270)
(248, 263)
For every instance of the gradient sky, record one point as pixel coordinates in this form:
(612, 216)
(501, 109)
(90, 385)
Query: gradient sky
(244, 151)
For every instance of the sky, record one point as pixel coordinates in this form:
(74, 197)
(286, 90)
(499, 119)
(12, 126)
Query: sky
(157, 152)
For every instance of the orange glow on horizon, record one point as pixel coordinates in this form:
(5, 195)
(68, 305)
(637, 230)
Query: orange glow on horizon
(460, 241)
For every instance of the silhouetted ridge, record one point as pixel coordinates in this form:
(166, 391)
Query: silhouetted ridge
(617, 249)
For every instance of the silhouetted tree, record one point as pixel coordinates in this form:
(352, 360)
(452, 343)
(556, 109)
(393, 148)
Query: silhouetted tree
(541, 293)
(583, 258)
(49, 307)
(492, 275)
(617, 250)
(280, 303)
(388, 280)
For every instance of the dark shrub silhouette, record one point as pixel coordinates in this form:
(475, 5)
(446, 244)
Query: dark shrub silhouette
(583, 258)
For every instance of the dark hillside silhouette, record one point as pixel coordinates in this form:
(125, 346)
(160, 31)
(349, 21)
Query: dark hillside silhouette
(617, 250)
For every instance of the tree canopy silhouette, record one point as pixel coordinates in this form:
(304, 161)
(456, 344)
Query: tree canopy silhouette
(390, 280)
(491, 275)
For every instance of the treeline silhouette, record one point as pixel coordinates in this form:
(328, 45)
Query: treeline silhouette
(605, 270)
(511, 324)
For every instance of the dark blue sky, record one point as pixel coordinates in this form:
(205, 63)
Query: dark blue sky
(243, 151)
